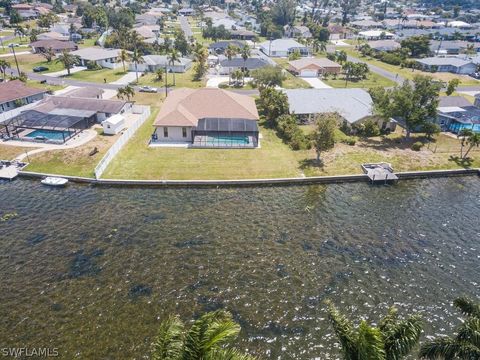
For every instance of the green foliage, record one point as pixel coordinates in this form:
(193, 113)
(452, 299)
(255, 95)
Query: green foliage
(417, 146)
(272, 104)
(465, 344)
(295, 55)
(181, 44)
(368, 128)
(430, 128)
(355, 71)
(350, 140)
(283, 12)
(47, 20)
(210, 337)
(323, 138)
(452, 86)
(268, 76)
(417, 46)
(392, 339)
(92, 65)
(216, 33)
(291, 133)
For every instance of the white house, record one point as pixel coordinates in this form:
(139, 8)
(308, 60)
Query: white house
(376, 35)
(107, 58)
(448, 64)
(283, 48)
(15, 93)
(113, 125)
(152, 63)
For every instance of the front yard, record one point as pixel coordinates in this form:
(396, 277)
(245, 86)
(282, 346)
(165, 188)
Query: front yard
(372, 80)
(98, 76)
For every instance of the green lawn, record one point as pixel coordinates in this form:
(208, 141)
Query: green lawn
(181, 80)
(99, 76)
(88, 42)
(28, 62)
(373, 80)
(138, 161)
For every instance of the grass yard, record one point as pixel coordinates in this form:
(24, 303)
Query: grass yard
(98, 76)
(87, 42)
(151, 99)
(138, 161)
(409, 74)
(28, 62)
(181, 80)
(8, 152)
(75, 161)
(372, 80)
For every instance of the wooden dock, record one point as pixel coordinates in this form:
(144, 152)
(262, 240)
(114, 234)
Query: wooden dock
(379, 172)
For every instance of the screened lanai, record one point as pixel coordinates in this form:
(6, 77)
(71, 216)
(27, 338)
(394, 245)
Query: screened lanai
(36, 126)
(225, 133)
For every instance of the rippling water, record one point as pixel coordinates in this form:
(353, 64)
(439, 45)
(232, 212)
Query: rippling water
(93, 270)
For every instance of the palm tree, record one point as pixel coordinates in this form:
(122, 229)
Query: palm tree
(125, 92)
(210, 337)
(245, 55)
(124, 57)
(4, 65)
(473, 140)
(137, 59)
(392, 339)
(68, 60)
(230, 52)
(172, 58)
(465, 344)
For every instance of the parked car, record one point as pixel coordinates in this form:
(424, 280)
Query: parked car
(13, 45)
(148, 89)
(40, 68)
(476, 75)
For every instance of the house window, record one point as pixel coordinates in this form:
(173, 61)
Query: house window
(184, 132)
(165, 132)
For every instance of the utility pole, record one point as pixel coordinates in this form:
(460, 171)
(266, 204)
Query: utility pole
(15, 56)
(166, 81)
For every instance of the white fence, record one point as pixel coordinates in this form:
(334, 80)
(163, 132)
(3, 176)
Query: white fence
(123, 139)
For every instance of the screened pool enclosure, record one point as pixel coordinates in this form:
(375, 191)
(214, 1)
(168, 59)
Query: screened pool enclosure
(225, 133)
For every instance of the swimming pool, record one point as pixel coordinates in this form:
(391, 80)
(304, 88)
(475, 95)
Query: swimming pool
(227, 140)
(50, 134)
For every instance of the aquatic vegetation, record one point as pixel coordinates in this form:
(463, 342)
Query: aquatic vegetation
(8, 216)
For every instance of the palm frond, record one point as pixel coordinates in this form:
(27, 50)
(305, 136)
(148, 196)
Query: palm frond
(344, 331)
(389, 319)
(442, 348)
(469, 352)
(467, 307)
(469, 332)
(370, 343)
(401, 337)
(229, 354)
(219, 333)
(169, 342)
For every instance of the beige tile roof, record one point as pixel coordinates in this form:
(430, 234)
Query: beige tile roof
(309, 63)
(184, 107)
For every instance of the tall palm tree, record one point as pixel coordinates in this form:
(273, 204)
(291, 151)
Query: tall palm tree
(473, 140)
(465, 344)
(68, 60)
(137, 59)
(245, 55)
(392, 339)
(230, 52)
(210, 337)
(4, 65)
(172, 58)
(124, 57)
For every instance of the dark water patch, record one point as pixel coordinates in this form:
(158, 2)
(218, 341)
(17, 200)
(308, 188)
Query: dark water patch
(283, 238)
(139, 290)
(56, 307)
(150, 218)
(210, 304)
(276, 329)
(197, 285)
(282, 271)
(36, 239)
(193, 243)
(84, 264)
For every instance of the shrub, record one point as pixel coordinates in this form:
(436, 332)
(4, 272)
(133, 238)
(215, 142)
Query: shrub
(291, 133)
(223, 86)
(391, 59)
(417, 146)
(92, 65)
(369, 128)
(350, 141)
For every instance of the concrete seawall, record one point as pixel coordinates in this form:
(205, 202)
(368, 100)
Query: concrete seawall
(255, 182)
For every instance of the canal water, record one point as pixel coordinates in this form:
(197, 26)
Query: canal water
(92, 271)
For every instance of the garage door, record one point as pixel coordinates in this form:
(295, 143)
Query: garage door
(309, 73)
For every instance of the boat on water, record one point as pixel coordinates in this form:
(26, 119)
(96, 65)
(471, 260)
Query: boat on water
(54, 181)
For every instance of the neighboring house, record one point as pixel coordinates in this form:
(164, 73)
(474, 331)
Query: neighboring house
(252, 63)
(145, 19)
(283, 48)
(107, 58)
(154, 62)
(366, 24)
(452, 47)
(455, 113)
(447, 64)
(353, 105)
(52, 35)
(459, 25)
(313, 67)
(297, 31)
(384, 45)
(15, 93)
(207, 117)
(28, 14)
(242, 34)
(376, 35)
(219, 47)
(148, 31)
(57, 46)
(88, 92)
(186, 12)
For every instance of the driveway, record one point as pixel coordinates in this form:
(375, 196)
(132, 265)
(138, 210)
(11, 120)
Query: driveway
(316, 83)
(126, 79)
(61, 73)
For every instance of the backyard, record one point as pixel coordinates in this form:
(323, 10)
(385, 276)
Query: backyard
(8, 152)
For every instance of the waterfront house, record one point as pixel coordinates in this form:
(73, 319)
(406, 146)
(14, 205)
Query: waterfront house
(447, 64)
(207, 117)
(353, 105)
(313, 67)
(15, 93)
(107, 58)
(456, 113)
(283, 48)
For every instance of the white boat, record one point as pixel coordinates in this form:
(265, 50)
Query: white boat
(54, 181)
